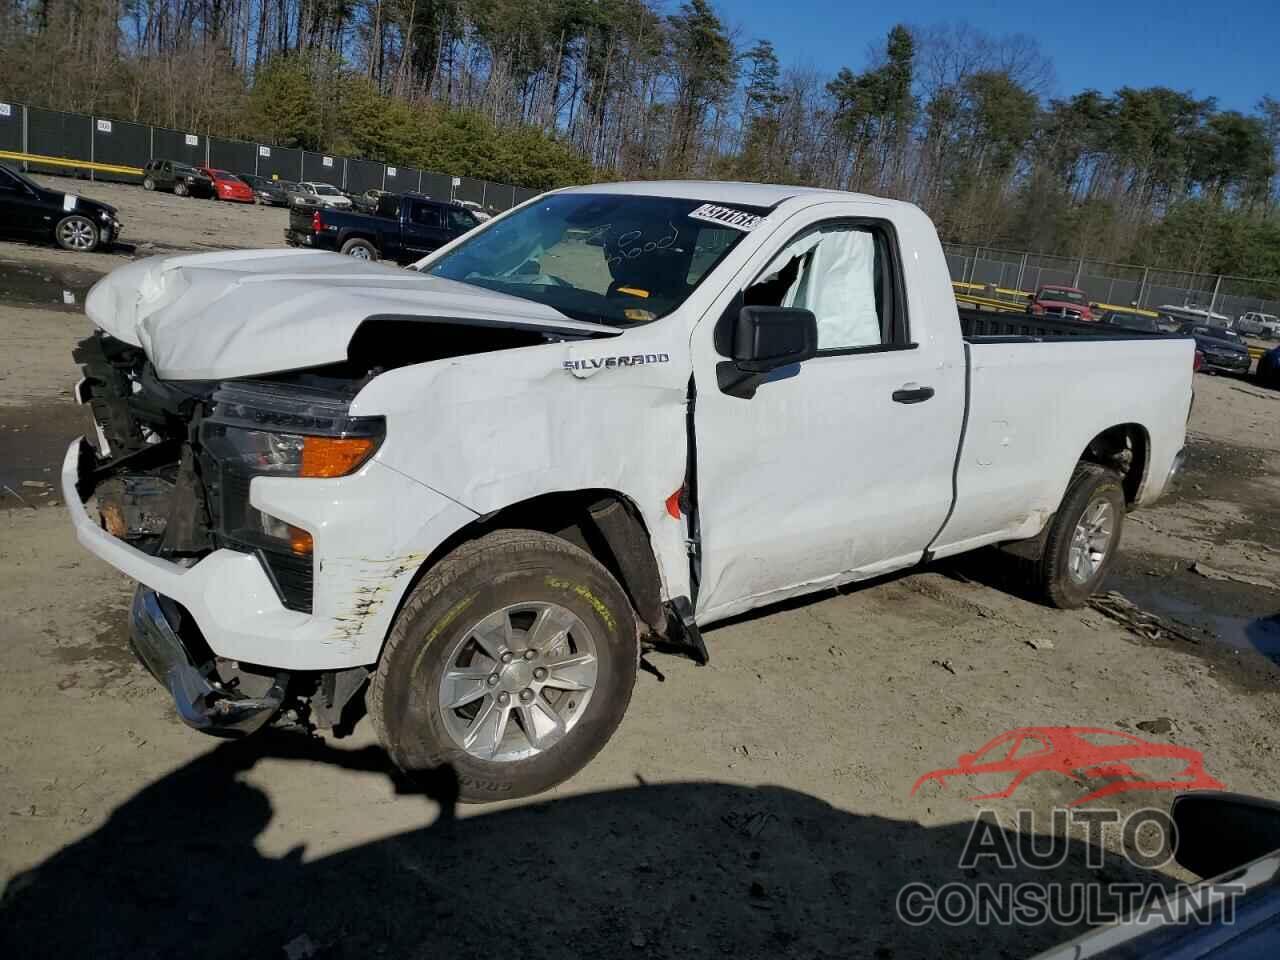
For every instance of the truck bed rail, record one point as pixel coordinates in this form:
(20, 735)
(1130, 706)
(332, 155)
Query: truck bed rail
(977, 324)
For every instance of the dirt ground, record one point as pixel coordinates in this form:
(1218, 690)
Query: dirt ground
(757, 807)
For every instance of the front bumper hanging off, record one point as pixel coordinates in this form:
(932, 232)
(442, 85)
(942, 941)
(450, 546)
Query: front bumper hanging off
(200, 703)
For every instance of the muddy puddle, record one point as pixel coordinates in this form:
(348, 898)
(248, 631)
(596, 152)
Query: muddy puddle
(33, 442)
(38, 285)
(1236, 617)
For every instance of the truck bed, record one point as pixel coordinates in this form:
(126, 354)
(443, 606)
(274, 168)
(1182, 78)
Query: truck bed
(993, 325)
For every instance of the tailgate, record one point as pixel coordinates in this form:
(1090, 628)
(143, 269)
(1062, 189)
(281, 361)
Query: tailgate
(300, 218)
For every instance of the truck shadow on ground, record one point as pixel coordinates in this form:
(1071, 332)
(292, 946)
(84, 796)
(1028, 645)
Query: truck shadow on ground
(683, 869)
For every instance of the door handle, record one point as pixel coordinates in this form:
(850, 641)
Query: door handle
(912, 393)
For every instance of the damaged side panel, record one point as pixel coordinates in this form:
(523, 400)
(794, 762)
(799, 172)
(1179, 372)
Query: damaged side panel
(509, 426)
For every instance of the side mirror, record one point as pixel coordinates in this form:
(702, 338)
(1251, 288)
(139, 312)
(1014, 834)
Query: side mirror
(765, 338)
(761, 340)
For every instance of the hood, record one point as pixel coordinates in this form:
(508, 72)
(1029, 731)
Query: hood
(1221, 346)
(246, 313)
(81, 203)
(1069, 304)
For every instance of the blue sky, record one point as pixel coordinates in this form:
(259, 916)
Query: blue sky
(1229, 49)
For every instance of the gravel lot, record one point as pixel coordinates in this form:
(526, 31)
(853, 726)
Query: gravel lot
(756, 807)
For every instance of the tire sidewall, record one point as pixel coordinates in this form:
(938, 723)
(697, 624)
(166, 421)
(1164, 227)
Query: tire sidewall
(148, 183)
(1065, 591)
(415, 734)
(181, 189)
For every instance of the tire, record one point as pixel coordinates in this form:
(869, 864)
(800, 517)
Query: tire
(489, 581)
(148, 183)
(181, 189)
(360, 249)
(1067, 577)
(77, 233)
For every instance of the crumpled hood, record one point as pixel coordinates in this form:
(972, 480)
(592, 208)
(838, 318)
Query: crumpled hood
(246, 313)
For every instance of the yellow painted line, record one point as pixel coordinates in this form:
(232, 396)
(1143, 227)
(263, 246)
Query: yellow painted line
(61, 162)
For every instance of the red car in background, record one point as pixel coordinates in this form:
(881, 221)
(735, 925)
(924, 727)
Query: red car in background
(227, 186)
(1070, 303)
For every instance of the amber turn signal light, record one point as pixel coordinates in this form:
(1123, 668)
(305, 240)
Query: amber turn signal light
(335, 456)
(300, 541)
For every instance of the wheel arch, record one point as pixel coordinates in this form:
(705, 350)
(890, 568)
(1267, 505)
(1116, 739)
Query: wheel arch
(1125, 448)
(355, 233)
(605, 523)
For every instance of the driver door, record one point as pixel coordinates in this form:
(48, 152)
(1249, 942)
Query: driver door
(423, 230)
(840, 467)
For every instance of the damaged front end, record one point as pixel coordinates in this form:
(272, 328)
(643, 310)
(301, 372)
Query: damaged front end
(164, 479)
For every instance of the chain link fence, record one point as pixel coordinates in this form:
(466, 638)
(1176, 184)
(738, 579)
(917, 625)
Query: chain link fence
(1119, 284)
(100, 141)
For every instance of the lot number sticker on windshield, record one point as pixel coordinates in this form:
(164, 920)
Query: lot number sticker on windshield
(726, 217)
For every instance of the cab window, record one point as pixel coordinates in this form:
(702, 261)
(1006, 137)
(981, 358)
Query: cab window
(425, 215)
(844, 273)
(460, 221)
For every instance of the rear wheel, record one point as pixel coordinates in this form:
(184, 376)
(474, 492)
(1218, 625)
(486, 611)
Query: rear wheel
(1083, 538)
(77, 233)
(148, 183)
(512, 661)
(360, 249)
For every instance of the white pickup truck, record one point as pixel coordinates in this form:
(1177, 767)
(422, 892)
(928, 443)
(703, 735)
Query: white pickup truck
(463, 494)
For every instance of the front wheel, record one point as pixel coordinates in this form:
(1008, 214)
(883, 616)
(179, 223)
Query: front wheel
(77, 233)
(181, 189)
(360, 249)
(1083, 537)
(512, 661)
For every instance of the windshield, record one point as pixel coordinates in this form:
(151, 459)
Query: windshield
(224, 174)
(327, 191)
(20, 177)
(186, 171)
(601, 257)
(1216, 333)
(1057, 293)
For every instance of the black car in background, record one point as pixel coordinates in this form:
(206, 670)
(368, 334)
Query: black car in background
(1224, 350)
(1131, 320)
(29, 211)
(180, 178)
(269, 192)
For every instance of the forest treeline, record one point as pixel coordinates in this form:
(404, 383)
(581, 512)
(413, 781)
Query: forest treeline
(542, 93)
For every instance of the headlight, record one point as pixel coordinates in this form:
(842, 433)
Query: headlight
(289, 431)
(266, 430)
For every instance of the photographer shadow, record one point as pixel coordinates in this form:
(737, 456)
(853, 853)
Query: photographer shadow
(672, 870)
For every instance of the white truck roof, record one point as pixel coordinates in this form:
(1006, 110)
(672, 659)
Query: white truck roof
(723, 191)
